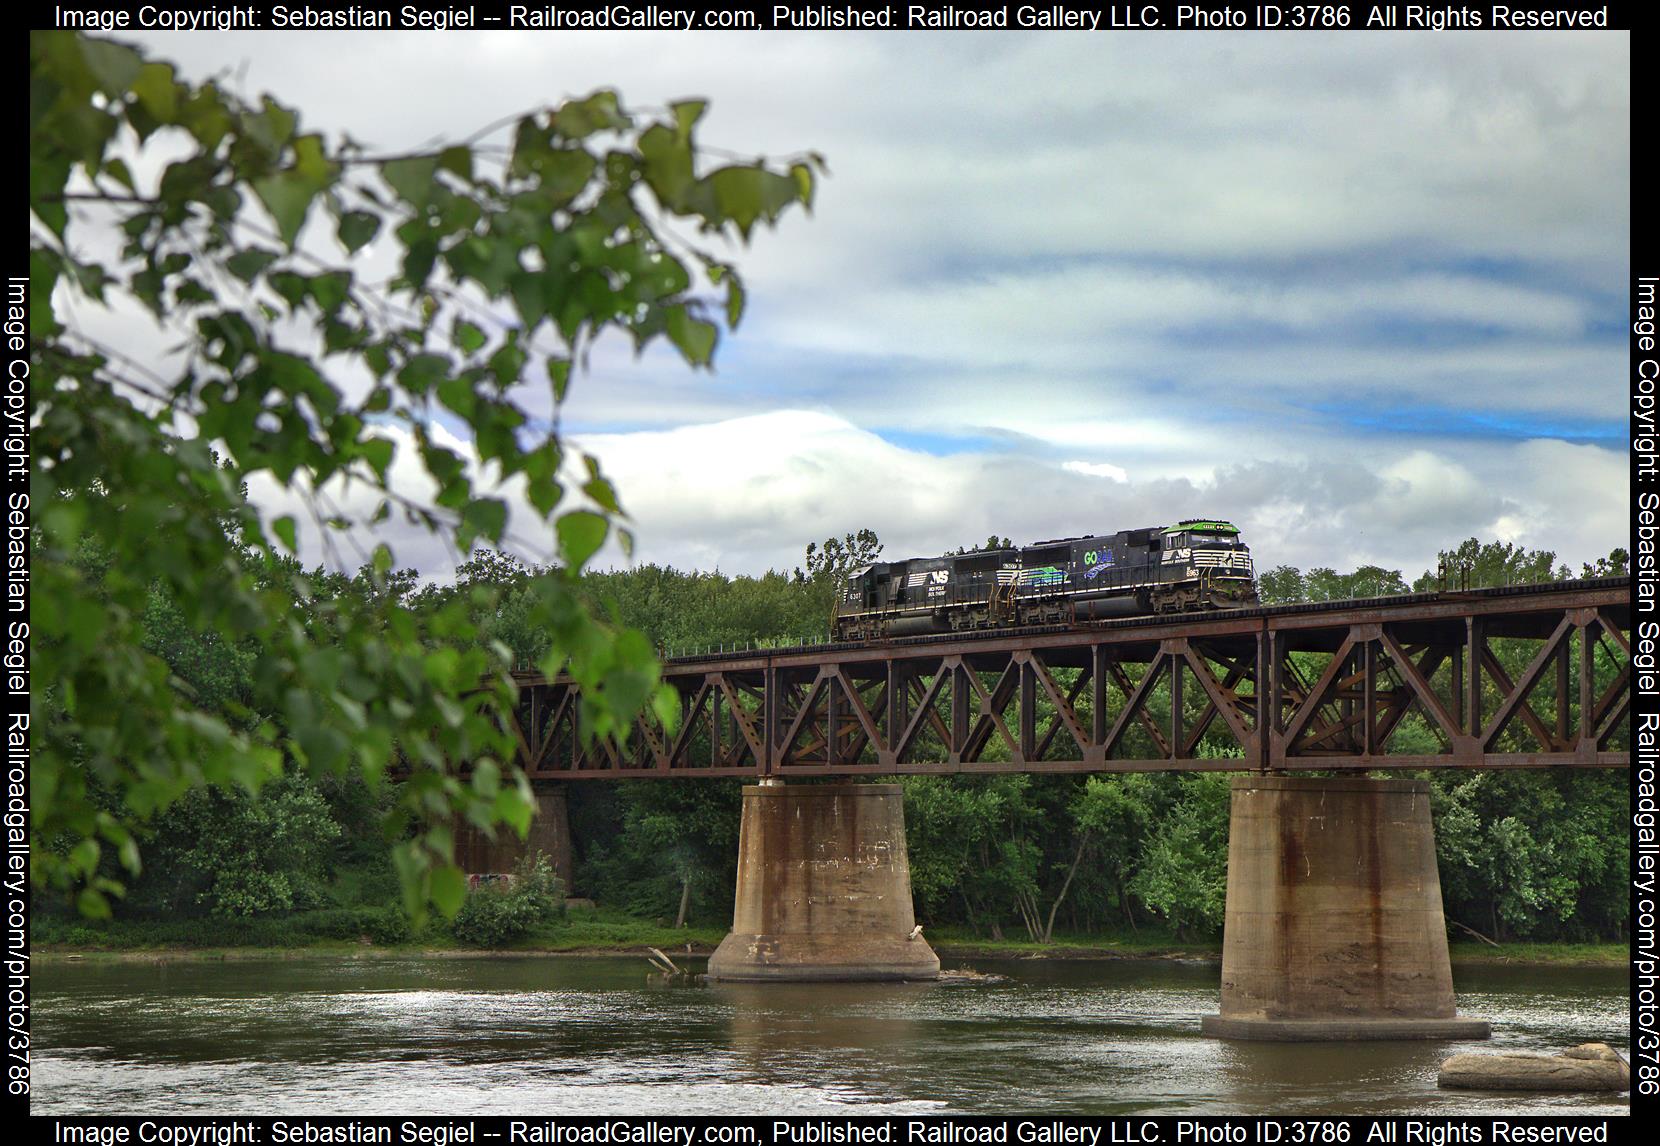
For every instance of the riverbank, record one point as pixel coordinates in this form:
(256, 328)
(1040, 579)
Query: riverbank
(631, 938)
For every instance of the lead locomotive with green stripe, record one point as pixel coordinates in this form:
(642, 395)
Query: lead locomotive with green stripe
(1194, 565)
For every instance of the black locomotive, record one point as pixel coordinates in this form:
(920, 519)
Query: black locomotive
(1190, 566)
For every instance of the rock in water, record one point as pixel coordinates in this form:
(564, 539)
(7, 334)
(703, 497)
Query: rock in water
(1589, 1066)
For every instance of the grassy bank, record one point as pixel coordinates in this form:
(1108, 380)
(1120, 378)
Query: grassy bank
(1545, 954)
(353, 931)
(603, 931)
(1149, 943)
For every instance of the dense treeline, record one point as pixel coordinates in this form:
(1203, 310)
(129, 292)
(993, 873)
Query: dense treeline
(1535, 856)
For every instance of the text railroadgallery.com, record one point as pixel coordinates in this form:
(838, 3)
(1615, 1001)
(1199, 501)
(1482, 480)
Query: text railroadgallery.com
(1645, 685)
(666, 15)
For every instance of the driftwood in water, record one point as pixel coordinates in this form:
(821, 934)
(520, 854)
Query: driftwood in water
(662, 962)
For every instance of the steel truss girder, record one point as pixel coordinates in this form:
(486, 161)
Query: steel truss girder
(1316, 688)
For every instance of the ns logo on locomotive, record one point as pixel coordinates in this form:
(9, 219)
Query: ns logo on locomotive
(1194, 565)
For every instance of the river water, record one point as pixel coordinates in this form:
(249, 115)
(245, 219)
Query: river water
(576, 1035)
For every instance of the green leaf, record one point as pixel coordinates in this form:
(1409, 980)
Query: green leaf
(468, 337)
(485, 517)
(411, 178)
(157, 92)
(271, 127)
(559, 373)
(424, 371)
(581, 533)
(514, 810)
(739, 195)
(378, 453)
(581, 118)
(804, 183)
(92, 904)
(686, 115)
(694, 338)
(412, 865)
(734, 301)
(283, 527)
(250, 262)
(458, 395)
(287, 195)
(114, 66)
(457, 160)
(357, 229)
(84, 856)
(603, 494)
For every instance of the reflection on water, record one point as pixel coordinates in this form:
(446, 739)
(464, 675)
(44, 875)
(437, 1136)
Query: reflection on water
(595, 1036)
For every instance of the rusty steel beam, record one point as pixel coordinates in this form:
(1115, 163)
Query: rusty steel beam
(1326, 686)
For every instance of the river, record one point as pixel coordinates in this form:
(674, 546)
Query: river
(579, 1035)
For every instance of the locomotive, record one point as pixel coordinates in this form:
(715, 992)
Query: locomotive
(1193, 565)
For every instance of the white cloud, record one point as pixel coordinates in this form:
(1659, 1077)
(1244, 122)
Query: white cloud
(1201, 267)
(1096, 469)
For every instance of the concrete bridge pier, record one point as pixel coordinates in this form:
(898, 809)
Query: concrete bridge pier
(1334, 927)
(550, 832)
(824, 888)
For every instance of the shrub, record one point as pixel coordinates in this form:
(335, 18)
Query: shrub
(494, 915)
(389, 926)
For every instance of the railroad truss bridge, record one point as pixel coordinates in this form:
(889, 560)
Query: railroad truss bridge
(1521, 677)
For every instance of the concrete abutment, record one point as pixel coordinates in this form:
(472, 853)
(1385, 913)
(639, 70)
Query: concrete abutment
(1334, 928)
(824, 888)
(550, 833)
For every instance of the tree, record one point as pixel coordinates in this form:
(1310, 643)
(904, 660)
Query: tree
(992, 542)
(831, 565)
(237, 854)
(249, 247)
(1366, 581)
(1616, 564)
(1281, 585)
(1474, 564)
(1183, 873)
(1115, 812)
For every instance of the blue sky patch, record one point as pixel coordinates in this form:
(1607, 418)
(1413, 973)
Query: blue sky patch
(1448, 422)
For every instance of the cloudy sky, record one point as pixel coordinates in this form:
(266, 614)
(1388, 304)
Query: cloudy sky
(1362, 294)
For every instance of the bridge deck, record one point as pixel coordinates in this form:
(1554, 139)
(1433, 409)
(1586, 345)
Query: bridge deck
(1525, 676)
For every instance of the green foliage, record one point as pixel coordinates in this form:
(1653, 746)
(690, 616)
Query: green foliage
(1281, 585)
(1534, 856)
(991, 542)
(1616, 564)
(681, 611)
(958, 836)
(1475, 564)
(246, 246)
(1285, 584)
(232, 853)
(669, 844)
(1183, 874)
(831, 565)
(1118, 812)
(385, 926)
(495, 914)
